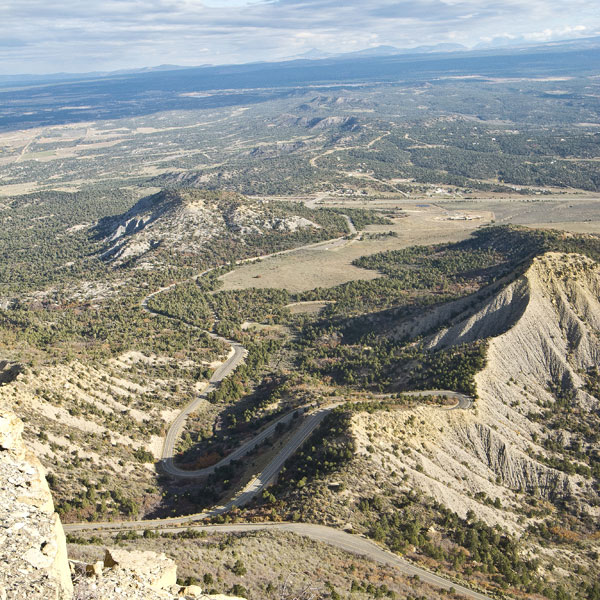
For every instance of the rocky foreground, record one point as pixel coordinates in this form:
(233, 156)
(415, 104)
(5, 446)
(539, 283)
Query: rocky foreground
(33, 553)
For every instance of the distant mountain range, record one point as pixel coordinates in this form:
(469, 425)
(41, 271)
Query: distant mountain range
(55, 77)
(500, 46)
(496, 44)
(315, 54)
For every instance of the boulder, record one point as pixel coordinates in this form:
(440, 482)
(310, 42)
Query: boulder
(154, 570)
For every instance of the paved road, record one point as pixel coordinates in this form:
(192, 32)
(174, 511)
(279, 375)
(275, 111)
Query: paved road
(310, 423)
(340, 539)
(168, 451)
(269, 473)
(233, 361)
(308, 426)
(463, 402)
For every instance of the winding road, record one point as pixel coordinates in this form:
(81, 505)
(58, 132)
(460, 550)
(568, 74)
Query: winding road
(311, 420)
(223, 371)
(168, 451)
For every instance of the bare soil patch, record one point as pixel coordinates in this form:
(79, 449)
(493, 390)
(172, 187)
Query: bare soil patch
(311, 307)
(577, 213)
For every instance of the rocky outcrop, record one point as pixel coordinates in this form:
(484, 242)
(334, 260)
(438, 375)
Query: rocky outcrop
(9, 371)
(188, 221)
(33, 552)
(156, 570)
(246, 221)
(134, 575)
(343, 123)
(129, 576)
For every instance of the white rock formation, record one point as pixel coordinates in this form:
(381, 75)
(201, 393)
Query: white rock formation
(544, 331)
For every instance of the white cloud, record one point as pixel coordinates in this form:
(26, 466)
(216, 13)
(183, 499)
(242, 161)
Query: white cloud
(550, 34)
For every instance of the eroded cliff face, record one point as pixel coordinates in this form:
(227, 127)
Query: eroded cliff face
(540, 363)
(33, 552)
(543, 332)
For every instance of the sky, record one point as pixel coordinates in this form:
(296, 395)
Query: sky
(41, 36)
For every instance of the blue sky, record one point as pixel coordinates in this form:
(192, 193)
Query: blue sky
(78, 35)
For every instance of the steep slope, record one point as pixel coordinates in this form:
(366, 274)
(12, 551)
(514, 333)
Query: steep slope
(543, 331)
(444, 485)
(186, 222)
(539, 363)
(92, 423)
